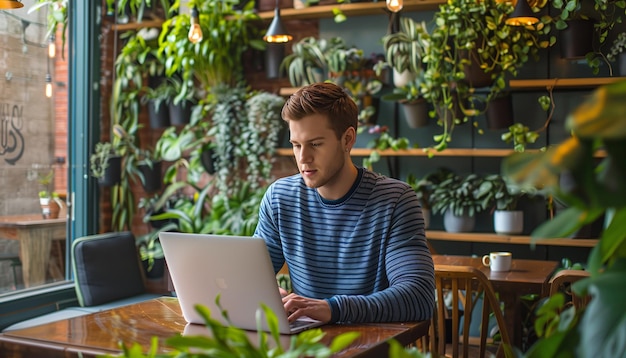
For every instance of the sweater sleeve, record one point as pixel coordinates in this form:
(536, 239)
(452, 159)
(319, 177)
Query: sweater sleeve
(410, 295)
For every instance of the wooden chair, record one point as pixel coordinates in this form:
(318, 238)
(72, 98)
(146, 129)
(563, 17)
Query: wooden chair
(467, 285)
(562, 282)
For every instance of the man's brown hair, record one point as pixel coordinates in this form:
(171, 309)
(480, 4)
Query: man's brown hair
(326, 99)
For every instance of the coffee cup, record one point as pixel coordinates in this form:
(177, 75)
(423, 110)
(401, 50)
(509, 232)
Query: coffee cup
(498, 261)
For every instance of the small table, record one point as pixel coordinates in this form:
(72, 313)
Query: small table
(35, 235)
(525, 277)
(99, 333)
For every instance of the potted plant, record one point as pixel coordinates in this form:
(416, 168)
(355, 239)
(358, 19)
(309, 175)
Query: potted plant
(472, 37)
(455, 198)
(309, 59)
(218, 57)
(413, 103)
(580, 23)
(405, 49)
(265, 126)
(151, 252)
(105, 164)
(617, 53)
(49, 200)
(499, 194)
(360, 80)
(424, 188)
(157, 99)
(384, 141)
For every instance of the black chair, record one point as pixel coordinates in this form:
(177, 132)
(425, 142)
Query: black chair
(107, 268)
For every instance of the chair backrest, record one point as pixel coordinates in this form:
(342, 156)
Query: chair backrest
(562, 281)
(467, 286)
(106, 268)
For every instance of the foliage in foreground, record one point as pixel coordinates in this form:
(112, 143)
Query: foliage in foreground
(228, 341)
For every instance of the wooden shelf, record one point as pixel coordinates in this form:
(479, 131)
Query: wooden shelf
(506, 239)
(450, 152)
(571, 83)
(137, 25)
(461, 152)
(349, 9)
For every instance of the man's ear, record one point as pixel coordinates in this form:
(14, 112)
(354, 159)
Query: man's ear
(349, 138)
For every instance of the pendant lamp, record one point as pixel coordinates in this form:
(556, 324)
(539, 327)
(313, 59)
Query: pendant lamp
(10, 4)
(522, 15)
(277, 33)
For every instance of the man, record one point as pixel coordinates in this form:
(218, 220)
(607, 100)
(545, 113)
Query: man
(353, 240)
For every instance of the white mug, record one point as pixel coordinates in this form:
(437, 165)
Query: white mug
(498, 261)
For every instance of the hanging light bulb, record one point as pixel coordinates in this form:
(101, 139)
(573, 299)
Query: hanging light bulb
(277, 33)
(48, 85)
(395, 5)
(195, 31)
(10, 4)
(52, 48)
(522, 15)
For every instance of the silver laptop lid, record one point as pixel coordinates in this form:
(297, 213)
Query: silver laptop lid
(237, 268)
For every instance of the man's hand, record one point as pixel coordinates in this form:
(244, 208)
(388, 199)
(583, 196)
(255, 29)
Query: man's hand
(298, 306)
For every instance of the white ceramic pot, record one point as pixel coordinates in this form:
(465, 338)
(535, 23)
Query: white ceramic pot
(508, 222)
(401, 79)
(453, 223)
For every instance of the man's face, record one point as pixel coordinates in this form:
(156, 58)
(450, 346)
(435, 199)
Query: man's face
(319, 154)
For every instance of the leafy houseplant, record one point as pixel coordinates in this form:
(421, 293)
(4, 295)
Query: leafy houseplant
(218, 57)
(502, 196)
(412, 101)
(405, 49)
(455, 198)
(601, 15)
(424, 188)
(599, 189)
(312, 59)
(104, 164)
(617, 52)
(383, 142)
(473, 37)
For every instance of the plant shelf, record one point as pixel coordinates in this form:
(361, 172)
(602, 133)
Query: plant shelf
(349, 9)
(507, 239)
(569, 83)
(450, 152)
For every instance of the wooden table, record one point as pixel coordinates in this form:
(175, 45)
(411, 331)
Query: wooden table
(525, 277)
(100, 332)
(35, 235)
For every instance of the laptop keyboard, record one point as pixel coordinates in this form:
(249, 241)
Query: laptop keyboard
(299, 323)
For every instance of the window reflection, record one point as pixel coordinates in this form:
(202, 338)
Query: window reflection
(33, 152)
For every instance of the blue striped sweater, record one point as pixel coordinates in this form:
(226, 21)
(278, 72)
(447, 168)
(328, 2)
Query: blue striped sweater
(366, 253)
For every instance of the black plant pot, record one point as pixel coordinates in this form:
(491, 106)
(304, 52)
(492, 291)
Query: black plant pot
(158, 268)
(206, 158)
(499, 113)
(577, 39)
(152, 176)
(475, 76)
(180, 113)
(113, 172)
(159, 115)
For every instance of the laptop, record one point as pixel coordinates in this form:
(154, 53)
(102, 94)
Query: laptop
(237, 268)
